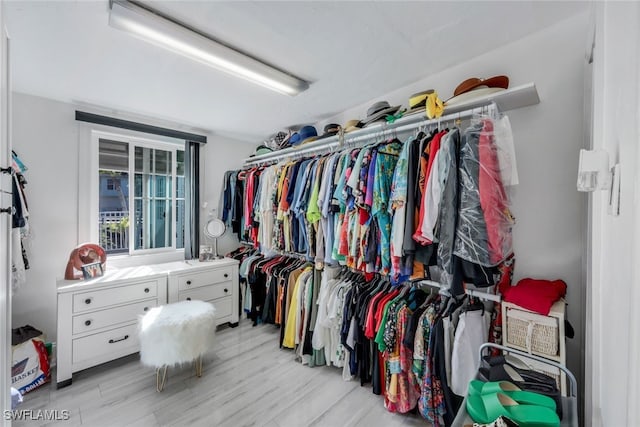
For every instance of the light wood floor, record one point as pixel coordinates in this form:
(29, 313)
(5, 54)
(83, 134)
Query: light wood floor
(247, 381)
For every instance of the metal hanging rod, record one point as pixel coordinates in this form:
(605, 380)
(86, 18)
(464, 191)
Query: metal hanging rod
(470, 292)
(403, 124)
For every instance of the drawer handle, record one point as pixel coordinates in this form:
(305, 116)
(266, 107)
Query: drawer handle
(87, 323)
(188, 298)
(188, 282)
(226, 274)
(226, 290)
(87, 301)
(146, 309)
(146, 290)
(112, 341)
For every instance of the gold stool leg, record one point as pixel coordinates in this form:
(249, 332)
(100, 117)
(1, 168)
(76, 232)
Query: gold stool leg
(160, 383)
(198, 363)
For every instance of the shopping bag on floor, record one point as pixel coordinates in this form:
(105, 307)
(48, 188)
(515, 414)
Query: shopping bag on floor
(30, 364)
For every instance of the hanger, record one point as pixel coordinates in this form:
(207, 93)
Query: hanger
(473, 304)
(458, 121)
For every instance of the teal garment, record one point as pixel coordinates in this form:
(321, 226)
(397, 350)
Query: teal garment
(317, 359)
(384, 169)
(400, 176)
(335, 200)
(342, 182)
(386, 160)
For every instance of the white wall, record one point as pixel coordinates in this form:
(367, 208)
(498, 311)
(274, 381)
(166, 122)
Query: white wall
(216, 159)
(614, 321)
(548, 136)
(47, 138)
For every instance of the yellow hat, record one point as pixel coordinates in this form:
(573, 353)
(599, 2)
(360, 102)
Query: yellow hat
(417, 101)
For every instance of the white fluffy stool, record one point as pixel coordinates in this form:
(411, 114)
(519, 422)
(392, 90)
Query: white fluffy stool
(174, 334)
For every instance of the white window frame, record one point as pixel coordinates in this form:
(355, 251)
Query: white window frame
(153, 145)
(90, 185)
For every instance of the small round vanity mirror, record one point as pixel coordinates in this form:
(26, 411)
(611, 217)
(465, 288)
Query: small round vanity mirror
(213, 229)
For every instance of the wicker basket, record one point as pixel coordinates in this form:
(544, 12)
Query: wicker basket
(533, 332)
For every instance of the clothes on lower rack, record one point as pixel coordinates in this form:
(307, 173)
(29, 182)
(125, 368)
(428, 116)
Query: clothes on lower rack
(393, 207)
(411, 345)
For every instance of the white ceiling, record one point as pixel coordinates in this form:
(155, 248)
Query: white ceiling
(352, 52)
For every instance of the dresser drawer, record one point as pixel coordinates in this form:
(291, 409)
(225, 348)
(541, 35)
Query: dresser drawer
(106, 345)
(224, 307)
(192, 280)
(207, 293)
(112, 316)
(111, 296)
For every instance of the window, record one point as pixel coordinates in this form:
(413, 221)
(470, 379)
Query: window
(142, 196)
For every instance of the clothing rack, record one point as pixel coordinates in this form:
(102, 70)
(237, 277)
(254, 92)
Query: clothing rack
(292, 255)
(517, 97)
(280, 253)
(471, 292)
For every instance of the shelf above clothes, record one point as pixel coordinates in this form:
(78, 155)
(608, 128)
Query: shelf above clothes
(510, 99)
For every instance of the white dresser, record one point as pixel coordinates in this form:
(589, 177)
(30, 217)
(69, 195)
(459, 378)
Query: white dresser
(212, 281)
(98, 318)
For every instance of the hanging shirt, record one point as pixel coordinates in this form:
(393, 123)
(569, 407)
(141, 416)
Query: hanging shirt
(434, 147)
(384, 170)
(397, 207)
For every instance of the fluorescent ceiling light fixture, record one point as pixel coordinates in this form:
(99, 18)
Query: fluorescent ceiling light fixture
(152, 27)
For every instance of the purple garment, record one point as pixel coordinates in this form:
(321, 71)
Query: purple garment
(370, 179)
(360, 192)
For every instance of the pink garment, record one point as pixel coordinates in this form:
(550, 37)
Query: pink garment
(493, 198)
(248, 201)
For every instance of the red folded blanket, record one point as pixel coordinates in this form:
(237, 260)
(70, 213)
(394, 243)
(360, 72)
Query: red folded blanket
(535, 294)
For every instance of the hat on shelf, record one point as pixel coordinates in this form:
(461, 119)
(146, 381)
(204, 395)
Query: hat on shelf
(475, 88)
(378, 111)
(305, 134)
(279, 140)
(282, 138)
(352, 125)
(418, 101)
(261, 149)
(330, 130)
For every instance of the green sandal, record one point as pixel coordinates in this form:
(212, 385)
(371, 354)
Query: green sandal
(513, 391)
(488, 407)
